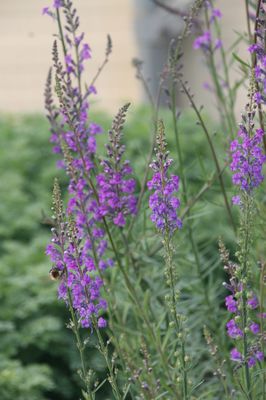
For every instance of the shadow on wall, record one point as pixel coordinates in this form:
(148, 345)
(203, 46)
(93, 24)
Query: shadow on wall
(155, 27)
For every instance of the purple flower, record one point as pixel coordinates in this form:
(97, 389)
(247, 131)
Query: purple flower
(253, 302)
(203, 42)
(236, 200)
(47, 11)
(259, 355)
(85, 53)
(216, 13)
(102, 323)
(233, 329)
(231, 304)
(251, 362)
(255, 328)
(235, 355)
(57, 3)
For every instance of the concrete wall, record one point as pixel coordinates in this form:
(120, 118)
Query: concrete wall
(25, 48)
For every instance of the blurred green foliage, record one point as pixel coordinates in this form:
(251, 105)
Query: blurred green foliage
(38, 359)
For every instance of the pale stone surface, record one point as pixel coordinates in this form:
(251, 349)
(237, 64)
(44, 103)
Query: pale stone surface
(26, 39)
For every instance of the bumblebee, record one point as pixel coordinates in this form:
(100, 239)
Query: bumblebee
(55, 274)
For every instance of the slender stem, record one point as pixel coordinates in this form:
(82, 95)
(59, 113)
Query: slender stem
(262, 295)
(248, 21)
(79, 344)
(244, 273)
(61, 31)
(155, 107)
(183, 179)
(231, 114)
(104, 351)
(254, 64)
(213, 152)
(173, 308)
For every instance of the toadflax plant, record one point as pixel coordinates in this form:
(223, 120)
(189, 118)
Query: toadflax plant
(164, 205)
(247, 160)
(107, 255)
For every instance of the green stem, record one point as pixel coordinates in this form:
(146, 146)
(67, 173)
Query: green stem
(244, 274)
(173, 308)
(79, 345)
(262, 294)
(183, 179)
(136, 300)
(61, 34)
(104, 351)
(248, 21)
(213, 152)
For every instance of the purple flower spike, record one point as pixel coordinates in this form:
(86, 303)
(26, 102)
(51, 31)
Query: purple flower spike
(115, 185)
(163, 202)
(247, 160)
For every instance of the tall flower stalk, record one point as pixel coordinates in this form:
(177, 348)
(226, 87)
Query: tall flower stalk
(164, 205)
(247, 162)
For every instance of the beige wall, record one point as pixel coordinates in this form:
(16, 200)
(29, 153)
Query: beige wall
(25, 48)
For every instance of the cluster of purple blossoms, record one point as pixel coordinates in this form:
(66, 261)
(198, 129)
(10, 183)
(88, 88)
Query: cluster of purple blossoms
(234, 304)
(74, 138)
(259, 54)
(163, 202)
(246, 151)
(205, 41)
(247, 161)
(76, 278)
(79, 284)
(114, 186)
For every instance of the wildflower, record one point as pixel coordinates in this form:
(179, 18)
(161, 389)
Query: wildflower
(254, 328)
(70, 258)
(258, 51)
(57, 3)
(216, 13)
(231, 304)
(85, 53)
(203, 41)
(253, 302)
(163, 202)
(115, 186)
(46, 11)
(233, 329)
(101, 323)
(247, 160)
(235, 355)
(83, 255)
(259, 355)
(251, 362)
